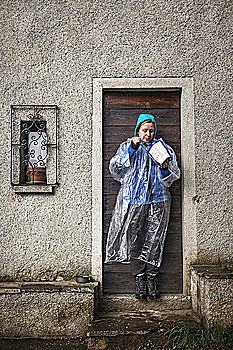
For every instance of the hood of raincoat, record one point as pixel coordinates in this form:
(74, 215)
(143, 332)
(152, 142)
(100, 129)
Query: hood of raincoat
(142, 118)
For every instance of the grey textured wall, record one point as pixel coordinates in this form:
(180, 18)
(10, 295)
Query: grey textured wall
(50, 52)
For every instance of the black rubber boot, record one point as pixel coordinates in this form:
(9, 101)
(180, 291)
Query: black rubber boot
(152, 286)
(140, 286)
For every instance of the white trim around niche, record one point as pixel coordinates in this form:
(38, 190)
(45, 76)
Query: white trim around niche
(187, 164)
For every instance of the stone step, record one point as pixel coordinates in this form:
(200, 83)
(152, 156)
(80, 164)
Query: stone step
(46, 309)
(128, 331)
(128, 302)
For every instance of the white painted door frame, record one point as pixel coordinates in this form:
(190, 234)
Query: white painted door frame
(185, 85)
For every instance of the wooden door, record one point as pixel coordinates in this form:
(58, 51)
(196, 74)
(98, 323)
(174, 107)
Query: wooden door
(121, 110)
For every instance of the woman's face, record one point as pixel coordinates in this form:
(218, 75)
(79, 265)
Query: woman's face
(146, 132)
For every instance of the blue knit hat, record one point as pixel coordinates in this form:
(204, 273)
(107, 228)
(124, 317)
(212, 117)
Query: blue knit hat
(142, 118)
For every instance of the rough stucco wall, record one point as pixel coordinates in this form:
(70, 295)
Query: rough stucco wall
(213, 114)
(50, 52)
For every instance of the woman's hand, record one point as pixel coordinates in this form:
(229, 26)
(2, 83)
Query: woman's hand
(136, 140)
(165, 165)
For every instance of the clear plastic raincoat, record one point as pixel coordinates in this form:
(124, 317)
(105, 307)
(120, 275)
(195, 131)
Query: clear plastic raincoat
(141, 215)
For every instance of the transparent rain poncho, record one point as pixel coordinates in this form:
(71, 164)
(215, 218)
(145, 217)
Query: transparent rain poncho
(140, 218)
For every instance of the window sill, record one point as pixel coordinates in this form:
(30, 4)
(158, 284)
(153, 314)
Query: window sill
(34, 188)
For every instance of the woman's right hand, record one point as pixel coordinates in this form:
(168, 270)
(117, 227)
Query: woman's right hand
(136, 140)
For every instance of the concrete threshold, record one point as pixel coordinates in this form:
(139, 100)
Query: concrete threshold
(128, 302)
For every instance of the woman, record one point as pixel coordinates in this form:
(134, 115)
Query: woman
(139, 222)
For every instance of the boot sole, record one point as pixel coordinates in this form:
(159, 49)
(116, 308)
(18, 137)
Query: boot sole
(154, 296)
(141, 297)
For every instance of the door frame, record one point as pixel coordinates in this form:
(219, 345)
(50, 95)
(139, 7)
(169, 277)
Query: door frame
(189, 240)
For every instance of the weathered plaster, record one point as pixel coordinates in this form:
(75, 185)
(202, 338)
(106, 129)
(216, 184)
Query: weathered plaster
(50, 52)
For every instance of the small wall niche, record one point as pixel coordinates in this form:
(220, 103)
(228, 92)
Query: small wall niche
(34, 148)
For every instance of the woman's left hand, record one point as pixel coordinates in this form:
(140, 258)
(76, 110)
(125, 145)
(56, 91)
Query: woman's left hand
(165, 165)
